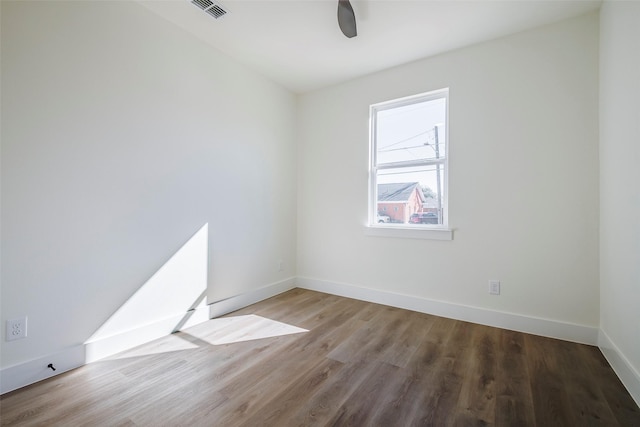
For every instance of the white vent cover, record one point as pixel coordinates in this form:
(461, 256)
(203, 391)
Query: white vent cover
(213, 9)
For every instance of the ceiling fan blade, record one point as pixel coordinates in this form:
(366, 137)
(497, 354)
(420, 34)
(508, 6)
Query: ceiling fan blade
(347, 18)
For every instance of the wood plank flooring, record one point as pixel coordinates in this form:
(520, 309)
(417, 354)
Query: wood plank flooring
(358, 364)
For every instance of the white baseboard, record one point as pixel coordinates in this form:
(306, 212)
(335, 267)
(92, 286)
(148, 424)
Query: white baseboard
(23, 374)
(621, 365)
(26, 373)
(14, 377)
(222, 307)
(515, 322)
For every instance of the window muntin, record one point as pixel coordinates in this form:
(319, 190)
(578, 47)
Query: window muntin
(408, 160)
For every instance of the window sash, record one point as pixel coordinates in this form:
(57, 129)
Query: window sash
(410, 163)
(376, 167)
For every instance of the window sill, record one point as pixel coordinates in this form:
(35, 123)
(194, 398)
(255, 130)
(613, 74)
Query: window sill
(409, 233)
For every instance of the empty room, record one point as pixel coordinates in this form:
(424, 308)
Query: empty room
(320, 212)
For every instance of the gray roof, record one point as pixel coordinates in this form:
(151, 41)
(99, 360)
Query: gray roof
(399, 192)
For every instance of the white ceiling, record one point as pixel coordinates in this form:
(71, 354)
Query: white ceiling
(298, 43)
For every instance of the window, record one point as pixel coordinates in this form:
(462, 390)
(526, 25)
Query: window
(408, 161)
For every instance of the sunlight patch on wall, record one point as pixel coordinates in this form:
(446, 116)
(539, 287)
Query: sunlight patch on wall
(167, 302)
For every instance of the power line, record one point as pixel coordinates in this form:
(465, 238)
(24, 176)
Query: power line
(426, 144)
(406, 139)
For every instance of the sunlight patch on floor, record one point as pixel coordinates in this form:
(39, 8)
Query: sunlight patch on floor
(227, 330)
(220, 331)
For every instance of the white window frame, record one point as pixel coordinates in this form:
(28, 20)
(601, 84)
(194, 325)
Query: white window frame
(423, 231)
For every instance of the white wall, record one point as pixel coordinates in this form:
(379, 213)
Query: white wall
(619, 194)
(523, 178)
(122, 136)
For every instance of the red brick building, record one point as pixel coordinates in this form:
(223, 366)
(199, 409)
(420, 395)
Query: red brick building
(400, 200)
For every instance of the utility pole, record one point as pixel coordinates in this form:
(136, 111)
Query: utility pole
(437, 150)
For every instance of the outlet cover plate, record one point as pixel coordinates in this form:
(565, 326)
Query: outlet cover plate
(494, 287)
(16, 328)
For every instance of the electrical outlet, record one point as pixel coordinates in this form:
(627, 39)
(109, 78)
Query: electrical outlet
(494, 287)
(16, 328)
(280, 265)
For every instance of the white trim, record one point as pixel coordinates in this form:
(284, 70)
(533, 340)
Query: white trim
(32, 371)
(516, 322)
(387, 230)
(621, 366)
(222, 307)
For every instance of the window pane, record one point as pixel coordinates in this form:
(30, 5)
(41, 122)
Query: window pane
(411, 132)
(411, 195)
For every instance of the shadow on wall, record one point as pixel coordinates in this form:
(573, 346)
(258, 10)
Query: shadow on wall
(173, 298)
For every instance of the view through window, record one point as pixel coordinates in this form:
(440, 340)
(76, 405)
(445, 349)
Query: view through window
(408, 181)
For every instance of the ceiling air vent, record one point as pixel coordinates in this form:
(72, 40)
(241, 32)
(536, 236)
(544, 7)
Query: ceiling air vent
(213, 9)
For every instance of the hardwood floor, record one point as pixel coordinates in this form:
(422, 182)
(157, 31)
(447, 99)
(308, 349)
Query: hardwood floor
(359, 364)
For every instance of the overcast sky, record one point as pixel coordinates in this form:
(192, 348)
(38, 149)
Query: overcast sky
(408, 133)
